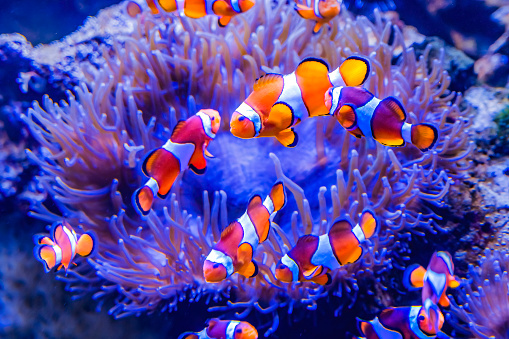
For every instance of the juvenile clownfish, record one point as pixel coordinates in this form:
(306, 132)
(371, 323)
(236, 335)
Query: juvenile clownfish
(235, 250)
(224, 329)
(363, 114)
(314, 256)
(63, 245)
(411, 322)
(185, 148)
(435, 280)
(225, 9)
(279, 102)
(321, 11)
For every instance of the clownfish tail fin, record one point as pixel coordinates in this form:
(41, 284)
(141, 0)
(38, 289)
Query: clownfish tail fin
(413, 278)
(369, 223)
(278, 196)
(142, 200)
(424, 136)
(87, 244)
(355, 70)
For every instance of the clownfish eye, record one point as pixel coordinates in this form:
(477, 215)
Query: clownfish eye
(421, 318)
(282, 266)
(212, 118)
(241, 118)
(238, 330)
(216, 265)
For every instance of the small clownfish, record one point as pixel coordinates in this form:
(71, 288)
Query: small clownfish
(314, 256)
(435, 280)
(224, 329)
(411, 322)
(63, 246)
(321, 11)
(185, 148)
(235, 250)
(363, 114)
(279, 102)
(225, 9)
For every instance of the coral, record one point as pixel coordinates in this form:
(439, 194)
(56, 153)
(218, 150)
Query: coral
(170, 67)
(481, 306)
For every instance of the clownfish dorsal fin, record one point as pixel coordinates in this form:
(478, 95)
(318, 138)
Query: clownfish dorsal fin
(266, 80)
(340, 226)
(228, 230)
(178, 127)
(307, 238)
(395, 107)
(312, 66)
(313, 272)
(212, 323)
(355, 70)
(254, 201)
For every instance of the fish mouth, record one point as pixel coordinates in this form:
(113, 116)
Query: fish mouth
(241, 126)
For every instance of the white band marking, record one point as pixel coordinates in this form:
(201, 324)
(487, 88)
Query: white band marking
(292, 265)
(207, 124)
(219, 257)
(247, 111)
(406, 132)
(153, 185)
(230, 330)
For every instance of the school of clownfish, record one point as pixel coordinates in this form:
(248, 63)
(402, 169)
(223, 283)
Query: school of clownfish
(276, 105)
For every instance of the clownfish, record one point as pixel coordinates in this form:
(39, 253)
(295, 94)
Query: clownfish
(411, 322)
(235, 250)
(321, 11)
(225, 9)
(63, 245)
(185, 148)
(224, 329)
(435, 280)
(279, 102)
(314, 256)
(363, 114)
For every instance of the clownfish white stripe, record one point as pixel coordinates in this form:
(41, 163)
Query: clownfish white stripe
(336, 94)
(316, 9)
(250, 236)
(251, 114)
(364, 115)
(230, 330)
(292, 265)
(153, 185)
(359, 234)
(182, 152)
(324, 254)
(414, 323)
(235, 5)
(269, 205)
(72, 240)
(207, 124)
(406, 132)
(219, 257)
(336, 79)
(292, 96)
(58, 254)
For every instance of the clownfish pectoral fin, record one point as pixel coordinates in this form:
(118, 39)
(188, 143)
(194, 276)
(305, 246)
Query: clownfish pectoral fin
(304, 11)
(317, 27)
(444, 301)
(424, 136)
(347, 117)
(278, 196)
(355, 70)
(454, 282)
(198, 164)
(369, 223)
(244, 258)
(324, 279)
(142, 200)
(413, 278)
(87, 244)
(288, 137)
(281, 116)
(313, 272)
(250, 270)
(223, 21)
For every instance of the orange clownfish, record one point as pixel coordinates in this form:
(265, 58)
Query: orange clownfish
(63, 246)
(224, 329)
(185, 148)
(279, 102)
(363, 114)
(433, 281)
(411, 322)
(314, 256)
(235, 250)
(321, 11)
(225, 9)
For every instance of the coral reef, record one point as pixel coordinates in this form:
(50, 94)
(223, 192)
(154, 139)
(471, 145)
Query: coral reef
(138, 87)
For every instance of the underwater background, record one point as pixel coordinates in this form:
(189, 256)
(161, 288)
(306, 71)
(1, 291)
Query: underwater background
(89, 89)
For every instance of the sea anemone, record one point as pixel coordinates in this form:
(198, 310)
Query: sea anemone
(169, 68)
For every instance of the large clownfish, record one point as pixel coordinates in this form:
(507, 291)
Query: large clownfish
(279, 102)
(225, 9)
(435, 280)
(185, 148)
(314, 256)
(224, 329)
(321, 11)
(363, 114)
(235, 250)
(62, 246)
(411, 322)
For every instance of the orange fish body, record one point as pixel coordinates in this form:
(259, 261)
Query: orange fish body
(279, 102)
(62, 246)
(186, 147)
(434, 280)
(225, 9)
(224, 329)
(235, 250)
(413, 322)
(363, 114)
(314, 256)
(321, 11)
